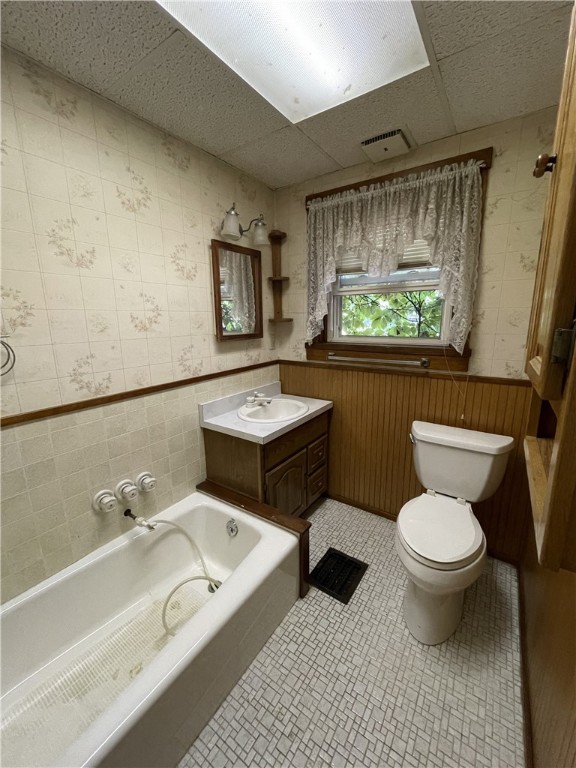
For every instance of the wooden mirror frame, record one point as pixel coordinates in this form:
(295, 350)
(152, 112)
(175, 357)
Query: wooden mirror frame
(256, 264)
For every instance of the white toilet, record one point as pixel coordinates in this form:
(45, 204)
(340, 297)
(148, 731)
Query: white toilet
(438, 539)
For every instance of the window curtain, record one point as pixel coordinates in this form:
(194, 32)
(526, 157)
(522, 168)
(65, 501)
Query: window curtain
(374, 225)
(239, 286)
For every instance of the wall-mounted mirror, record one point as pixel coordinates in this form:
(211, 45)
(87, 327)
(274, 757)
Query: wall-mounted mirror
(237, 278)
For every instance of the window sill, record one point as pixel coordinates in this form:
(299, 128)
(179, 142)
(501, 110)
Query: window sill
(439, 357)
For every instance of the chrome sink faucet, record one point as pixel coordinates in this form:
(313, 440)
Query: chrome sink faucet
(258, 398)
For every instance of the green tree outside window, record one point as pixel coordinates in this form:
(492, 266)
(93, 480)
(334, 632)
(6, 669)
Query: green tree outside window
(229, 323)
(410, 314)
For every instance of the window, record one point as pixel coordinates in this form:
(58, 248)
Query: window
(404, 307)
(365, 226)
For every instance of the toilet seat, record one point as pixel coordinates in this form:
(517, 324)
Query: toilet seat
(440, 531)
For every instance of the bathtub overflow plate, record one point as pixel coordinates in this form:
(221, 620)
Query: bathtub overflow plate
(232, 527)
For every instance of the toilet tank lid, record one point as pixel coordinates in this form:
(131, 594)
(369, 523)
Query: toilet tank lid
(467, 439)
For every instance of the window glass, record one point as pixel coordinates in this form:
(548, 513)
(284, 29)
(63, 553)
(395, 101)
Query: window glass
(405, 306)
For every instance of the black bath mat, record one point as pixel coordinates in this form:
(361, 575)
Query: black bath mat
(338, 574)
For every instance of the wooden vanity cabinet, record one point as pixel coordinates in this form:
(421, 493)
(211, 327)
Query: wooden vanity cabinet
(288, 473)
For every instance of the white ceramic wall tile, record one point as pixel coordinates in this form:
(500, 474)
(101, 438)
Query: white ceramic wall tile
(101, 212)
(510, 239)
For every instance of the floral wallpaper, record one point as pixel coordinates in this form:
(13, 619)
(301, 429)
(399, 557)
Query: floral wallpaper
(106, 229)
(514, 209)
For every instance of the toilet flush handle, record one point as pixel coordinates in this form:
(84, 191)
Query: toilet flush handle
(412, 438)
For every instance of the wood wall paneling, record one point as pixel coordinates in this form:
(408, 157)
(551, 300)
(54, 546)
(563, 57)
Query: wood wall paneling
(548, 630)
(370, 452)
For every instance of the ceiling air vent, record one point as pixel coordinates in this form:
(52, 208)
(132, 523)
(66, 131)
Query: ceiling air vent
(385, 145)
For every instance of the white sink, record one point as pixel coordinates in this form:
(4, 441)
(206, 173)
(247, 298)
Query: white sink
(278, 409)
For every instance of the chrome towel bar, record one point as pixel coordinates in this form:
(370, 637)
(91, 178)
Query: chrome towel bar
(423, 362)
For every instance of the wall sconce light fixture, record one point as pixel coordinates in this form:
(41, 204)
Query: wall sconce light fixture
(232, 229)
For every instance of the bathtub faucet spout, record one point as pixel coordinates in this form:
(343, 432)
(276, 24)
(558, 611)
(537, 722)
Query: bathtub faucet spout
(140, 521)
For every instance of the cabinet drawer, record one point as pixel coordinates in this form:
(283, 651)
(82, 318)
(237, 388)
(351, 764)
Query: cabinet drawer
(317, 484)
(293, 441)
(317, 453)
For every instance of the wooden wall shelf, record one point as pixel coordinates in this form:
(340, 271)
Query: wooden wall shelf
(537, 452)
(278, 280)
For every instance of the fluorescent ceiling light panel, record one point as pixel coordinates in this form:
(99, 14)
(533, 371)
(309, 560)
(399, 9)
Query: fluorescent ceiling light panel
(305, 57)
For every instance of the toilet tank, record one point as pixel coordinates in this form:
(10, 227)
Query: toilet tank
(459, 462)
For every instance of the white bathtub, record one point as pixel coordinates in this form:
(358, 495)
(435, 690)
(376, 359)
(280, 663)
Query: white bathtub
(89, 676)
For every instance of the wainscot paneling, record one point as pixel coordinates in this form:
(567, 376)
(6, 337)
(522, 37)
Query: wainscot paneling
(370, 452)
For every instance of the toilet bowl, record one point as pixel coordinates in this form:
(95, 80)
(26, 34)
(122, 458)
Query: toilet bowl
(436, 584)
(438, 539)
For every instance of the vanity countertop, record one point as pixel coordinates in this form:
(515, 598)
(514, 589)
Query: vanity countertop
(222, 415)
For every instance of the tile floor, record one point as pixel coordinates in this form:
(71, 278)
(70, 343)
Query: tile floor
(347, 685)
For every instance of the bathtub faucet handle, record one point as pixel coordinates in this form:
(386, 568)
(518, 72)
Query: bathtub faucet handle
(126, 491)
(104, 501)
(146, 482)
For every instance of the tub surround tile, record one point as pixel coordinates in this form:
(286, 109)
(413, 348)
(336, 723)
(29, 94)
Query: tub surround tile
(348, 685)
(35, 448)
(44, 496)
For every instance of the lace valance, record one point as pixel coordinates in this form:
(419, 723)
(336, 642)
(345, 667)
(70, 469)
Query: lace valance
(374, 226)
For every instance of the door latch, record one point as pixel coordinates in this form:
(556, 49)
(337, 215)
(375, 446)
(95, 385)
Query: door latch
(563, 345)
(545, 163)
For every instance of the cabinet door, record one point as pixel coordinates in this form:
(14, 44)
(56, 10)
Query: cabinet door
(287, 484)
(552, 460)
(555, 290)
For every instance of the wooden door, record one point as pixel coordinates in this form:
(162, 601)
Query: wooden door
(550, 445)
(555, 291)
(286, 485)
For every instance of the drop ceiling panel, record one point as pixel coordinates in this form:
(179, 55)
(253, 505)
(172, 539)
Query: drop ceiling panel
(455, 26)
(92, 43)
(187, 90)
(411, 104)
(498, 60)
(282, 158)
(478, 81)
